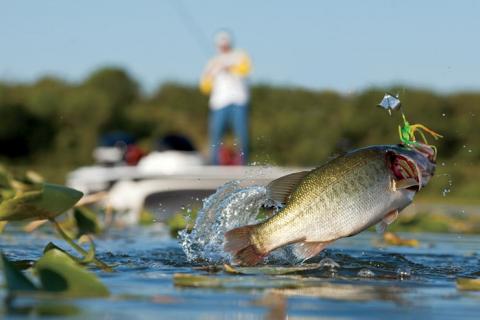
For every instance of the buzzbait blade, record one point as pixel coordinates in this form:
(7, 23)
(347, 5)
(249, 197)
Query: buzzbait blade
(390, 102)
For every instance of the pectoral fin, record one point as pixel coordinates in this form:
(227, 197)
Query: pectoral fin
(388, 219)
(306, 250)
(279, 190)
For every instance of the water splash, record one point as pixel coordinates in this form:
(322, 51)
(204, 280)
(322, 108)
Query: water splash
(230, 207)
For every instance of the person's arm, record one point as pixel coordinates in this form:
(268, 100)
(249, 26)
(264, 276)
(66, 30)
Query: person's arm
(206, 80)
(244, 66)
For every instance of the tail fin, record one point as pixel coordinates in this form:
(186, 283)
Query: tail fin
(239, 243)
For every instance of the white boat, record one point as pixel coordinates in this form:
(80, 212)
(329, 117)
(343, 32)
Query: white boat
(164, 182)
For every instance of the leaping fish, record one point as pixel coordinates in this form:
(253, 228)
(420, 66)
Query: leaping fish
(341, 198)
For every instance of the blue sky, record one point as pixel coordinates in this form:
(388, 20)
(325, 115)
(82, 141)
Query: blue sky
(341, 45)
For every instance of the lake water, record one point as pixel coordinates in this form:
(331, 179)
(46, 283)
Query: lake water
(406, 282)
(157, 276)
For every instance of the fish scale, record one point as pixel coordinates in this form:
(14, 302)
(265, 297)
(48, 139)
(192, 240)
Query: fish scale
(333, 199)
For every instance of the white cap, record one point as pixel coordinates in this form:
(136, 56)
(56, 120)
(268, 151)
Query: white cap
(223, 38)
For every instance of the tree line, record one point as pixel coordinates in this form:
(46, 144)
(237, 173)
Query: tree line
(55, 123)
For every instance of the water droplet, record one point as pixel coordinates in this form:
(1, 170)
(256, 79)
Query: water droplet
(328, 263)
(366, 273)
(447, 189)
(404, 272)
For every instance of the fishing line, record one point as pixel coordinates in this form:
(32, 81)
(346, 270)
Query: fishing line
(192, 26)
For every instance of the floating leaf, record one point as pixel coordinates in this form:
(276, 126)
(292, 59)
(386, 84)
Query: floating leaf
(201, 281)
(48, 202)
(60, 273)
(209, 268)
(394, 240)
(268, 270)
(193, 280)
(52, 246)
(468, 284)
(16, 280)
(86, 220)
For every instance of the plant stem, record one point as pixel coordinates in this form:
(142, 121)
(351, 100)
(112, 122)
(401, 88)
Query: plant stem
(102, 265)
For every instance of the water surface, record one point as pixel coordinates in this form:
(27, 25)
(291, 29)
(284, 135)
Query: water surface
(357, 277)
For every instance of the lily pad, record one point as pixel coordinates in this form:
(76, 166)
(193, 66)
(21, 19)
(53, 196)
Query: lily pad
(53, 246)
(246, 282)
(16, 280)
(468, 284)
(194, 280)
(392, 239)
(46, 203)
(86, 220)
(61, 274)
(269, 270)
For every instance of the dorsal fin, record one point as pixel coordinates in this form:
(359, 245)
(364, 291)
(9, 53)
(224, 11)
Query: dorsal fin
(279, 190)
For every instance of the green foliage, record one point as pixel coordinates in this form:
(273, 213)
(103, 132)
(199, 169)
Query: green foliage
(16, 280)
(46, 202)
(29, 197)
(23, 134)
(437, 223)
(86, 221)
(468, 284)
(289, 126)
(59, 273)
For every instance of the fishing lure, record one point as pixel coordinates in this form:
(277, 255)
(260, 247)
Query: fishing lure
(407, 131)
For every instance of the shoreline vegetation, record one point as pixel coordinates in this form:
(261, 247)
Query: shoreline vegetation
(52, 126)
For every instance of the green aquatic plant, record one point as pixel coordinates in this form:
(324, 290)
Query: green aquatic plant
(86, 221)
(468, 284)
(58, 273)
(30, 198)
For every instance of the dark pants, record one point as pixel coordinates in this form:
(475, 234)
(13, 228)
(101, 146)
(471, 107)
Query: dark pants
(235, 116)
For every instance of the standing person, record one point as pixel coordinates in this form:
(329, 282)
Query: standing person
(225, 79)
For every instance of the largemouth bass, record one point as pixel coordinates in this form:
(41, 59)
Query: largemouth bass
(339, 199)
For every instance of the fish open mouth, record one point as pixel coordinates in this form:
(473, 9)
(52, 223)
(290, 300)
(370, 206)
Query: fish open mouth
(404, 168)
(413, 164)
